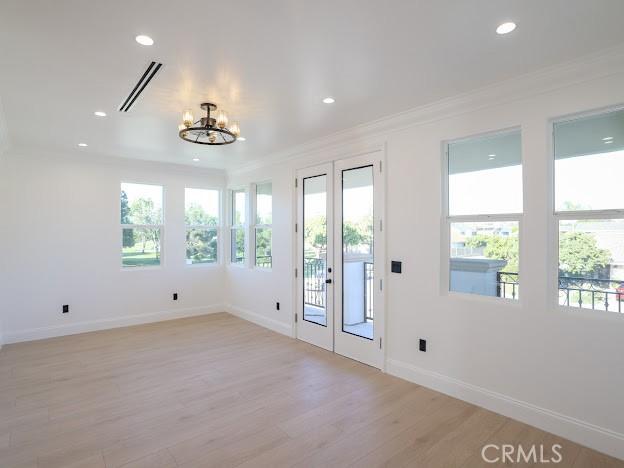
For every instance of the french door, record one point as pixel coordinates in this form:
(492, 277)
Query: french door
(340, 258)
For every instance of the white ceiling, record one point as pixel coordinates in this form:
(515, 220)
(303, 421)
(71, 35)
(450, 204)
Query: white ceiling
(267, 62)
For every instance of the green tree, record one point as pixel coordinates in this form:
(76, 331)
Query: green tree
(263, 247)
(579, 254)
(315, 235)
(351, 235)
(196, 216)
(498, 247)
(504, 248)
(201, 245)
(128, 234)
(143, 211)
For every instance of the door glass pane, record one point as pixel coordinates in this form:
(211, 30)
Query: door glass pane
(314, 249)
(357, 251)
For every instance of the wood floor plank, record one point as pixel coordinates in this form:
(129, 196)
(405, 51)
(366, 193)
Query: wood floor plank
(219, 391)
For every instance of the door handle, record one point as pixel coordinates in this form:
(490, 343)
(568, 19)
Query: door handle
(328, 281)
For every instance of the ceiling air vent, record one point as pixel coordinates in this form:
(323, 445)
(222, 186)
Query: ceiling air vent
(151, 71)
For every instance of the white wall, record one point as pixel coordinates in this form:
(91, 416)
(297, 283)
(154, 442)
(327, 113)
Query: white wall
(562, 370)
(274, 285)
(61, 245)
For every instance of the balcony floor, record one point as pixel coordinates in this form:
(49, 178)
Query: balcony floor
(317, 314)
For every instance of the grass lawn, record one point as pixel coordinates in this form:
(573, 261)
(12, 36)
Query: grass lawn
(134, 256)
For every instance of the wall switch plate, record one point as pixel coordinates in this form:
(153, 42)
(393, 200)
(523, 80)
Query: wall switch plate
(395, 266)
(65, 308)
(422, 345)
(277, 305)
(175, 296)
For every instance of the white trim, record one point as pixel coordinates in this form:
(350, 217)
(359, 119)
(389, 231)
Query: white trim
(259, 319)
(253, 226)
(555, 217)
(231, 226)
(107, 323)
(582, 432)
(447, 220)
(206, 227)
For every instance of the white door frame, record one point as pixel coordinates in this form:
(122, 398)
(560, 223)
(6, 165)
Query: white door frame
(311, 332)
(374, 156)
(362, 349)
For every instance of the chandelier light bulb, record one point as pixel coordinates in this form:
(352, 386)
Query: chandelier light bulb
(213, 128)
(222, 119)
(187, 118)
(235, 128)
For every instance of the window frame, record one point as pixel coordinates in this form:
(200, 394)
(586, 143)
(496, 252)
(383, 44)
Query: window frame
(234, 227)
(160, 227)
(204, 227)
(254, 226)
(447, 220)
(557, 216)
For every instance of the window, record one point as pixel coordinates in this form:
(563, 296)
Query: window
(589, 210)
(263, 226)
(237, 231)
(484, 182)
(141, 225)
(201, 214)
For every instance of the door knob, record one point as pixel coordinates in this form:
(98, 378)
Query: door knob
(328, 281)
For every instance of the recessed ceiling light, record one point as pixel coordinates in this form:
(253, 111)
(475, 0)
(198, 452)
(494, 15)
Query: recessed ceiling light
(144, 40)
(491, 156)
(506, 28)
(608, 142)
(196, 159)
(241, 139)
(607, 138)
(100, 113)
(82, 145)
(329, 100)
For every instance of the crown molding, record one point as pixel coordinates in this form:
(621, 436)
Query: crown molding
(587, 68)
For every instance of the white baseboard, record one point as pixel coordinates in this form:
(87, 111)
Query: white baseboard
(279, 327)
(584, 433)
(104, 324)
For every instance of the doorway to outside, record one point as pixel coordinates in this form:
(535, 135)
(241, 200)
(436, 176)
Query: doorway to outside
(340, 257)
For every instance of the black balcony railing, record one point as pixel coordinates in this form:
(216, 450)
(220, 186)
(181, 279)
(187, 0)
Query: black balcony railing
(314, 284)
(589, 293)
(314, 281)
(507, 284)
(264, 261)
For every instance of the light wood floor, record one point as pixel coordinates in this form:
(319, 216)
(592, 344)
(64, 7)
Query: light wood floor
(219, 391)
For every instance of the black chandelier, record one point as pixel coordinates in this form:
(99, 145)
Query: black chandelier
(208, 130)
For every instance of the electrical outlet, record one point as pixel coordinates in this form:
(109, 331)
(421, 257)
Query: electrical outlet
(65, 308)
(277, 305)
(175, 296)
(422, 345)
